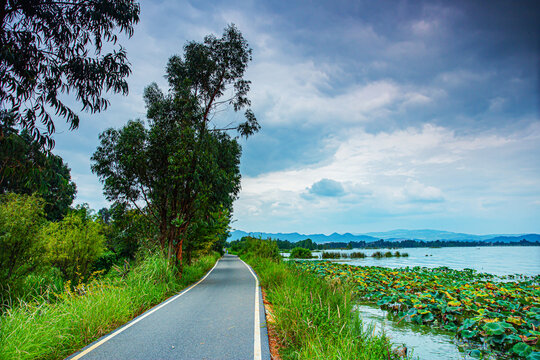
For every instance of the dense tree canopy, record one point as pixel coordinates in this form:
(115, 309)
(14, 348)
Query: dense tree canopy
(50, 47)
(21, 252)
(182, 167)
(25, 168)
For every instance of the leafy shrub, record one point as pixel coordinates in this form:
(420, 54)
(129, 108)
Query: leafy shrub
(73, 245)
(21, 217)
(300, 253)
(357, 255)
(105, 261)
(253, 247)
(331, 255)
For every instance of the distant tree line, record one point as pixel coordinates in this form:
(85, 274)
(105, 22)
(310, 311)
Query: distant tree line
(309, 244)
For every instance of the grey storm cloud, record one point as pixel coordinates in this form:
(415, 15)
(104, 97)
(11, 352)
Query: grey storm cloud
(327, 187)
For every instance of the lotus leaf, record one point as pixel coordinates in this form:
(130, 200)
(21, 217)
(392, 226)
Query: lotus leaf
(521, 349)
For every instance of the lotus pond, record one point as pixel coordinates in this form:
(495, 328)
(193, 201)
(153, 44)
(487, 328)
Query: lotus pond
(493, 316)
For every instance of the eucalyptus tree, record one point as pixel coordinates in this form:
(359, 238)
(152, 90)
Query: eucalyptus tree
(50, 47)
(183, 169)
(25, 168)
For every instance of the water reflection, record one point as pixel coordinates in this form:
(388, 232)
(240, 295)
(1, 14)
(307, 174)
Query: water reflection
(424, 342)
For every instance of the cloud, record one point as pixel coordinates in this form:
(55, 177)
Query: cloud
(419, 171)
(414, 191)
(327, 187)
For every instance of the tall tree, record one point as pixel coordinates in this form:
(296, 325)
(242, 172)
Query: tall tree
(183, 167)
(25, 168)
(21, 251)
(49, 47)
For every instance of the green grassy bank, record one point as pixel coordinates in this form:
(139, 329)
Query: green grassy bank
(314, 318)
(80, 315)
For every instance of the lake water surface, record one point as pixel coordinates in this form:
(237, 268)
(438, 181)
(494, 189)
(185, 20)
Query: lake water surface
(497, 260)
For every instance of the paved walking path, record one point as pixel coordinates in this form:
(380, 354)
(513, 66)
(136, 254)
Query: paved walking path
(218, 318)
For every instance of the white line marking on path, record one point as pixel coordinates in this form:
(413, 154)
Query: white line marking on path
(96, 345)
(257, 333)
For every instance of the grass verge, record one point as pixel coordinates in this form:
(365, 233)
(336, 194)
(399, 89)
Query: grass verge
(42, 330)
(314, 319)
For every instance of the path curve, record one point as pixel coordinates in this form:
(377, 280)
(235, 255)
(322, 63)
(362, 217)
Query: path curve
(213, 319)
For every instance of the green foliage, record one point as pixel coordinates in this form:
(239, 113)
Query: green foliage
(44, 330)
(26, 169)
(357, 255)
(476, 307)
(74, 244)
(206, 234)
(306, 244)
(331, 255)
(21, 217)
(300, 253)
(253, 247)
(126, 230)
(45, 47)
(183, 171)
(105, 261)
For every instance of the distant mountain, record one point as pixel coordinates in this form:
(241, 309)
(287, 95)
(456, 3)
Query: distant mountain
(294, 237)
(393, 235)
(430, 235)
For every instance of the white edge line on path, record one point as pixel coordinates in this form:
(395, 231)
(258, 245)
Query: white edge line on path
(103, 341)
(257, 333)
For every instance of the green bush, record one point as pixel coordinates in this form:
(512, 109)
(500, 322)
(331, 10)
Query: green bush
(331, 255)
(21, 217)
(300, 253)
(253, 247)
(73, 245)
(105, 261)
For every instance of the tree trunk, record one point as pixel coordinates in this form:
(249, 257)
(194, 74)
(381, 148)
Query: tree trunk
(179, 253)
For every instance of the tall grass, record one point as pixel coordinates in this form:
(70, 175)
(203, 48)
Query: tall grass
(315, 318)
(43, 330)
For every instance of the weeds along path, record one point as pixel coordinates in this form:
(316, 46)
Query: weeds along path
(214, 319)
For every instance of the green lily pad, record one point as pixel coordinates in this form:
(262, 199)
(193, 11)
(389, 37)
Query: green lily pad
(522, 349)
(467, 334)
(494, 328)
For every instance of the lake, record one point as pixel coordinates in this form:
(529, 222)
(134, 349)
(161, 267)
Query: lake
(424, 342)
(497, 260)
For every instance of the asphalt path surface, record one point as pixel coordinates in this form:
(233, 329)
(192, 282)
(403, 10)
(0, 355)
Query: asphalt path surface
(215, 319)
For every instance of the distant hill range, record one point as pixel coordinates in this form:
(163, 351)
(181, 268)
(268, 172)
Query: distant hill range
(393, 235)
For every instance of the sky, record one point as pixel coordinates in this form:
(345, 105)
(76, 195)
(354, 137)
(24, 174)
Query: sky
(375, 115)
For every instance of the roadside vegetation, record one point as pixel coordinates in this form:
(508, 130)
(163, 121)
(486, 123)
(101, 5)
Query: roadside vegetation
(69, 274)
(495, 316)
(56, 326)
(314, 318)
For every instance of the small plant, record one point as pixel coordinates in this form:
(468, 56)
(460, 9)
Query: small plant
(122, 271)
(357, 255)
(300, 253)
(377, 255)
(388, 254)
(331, 255)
